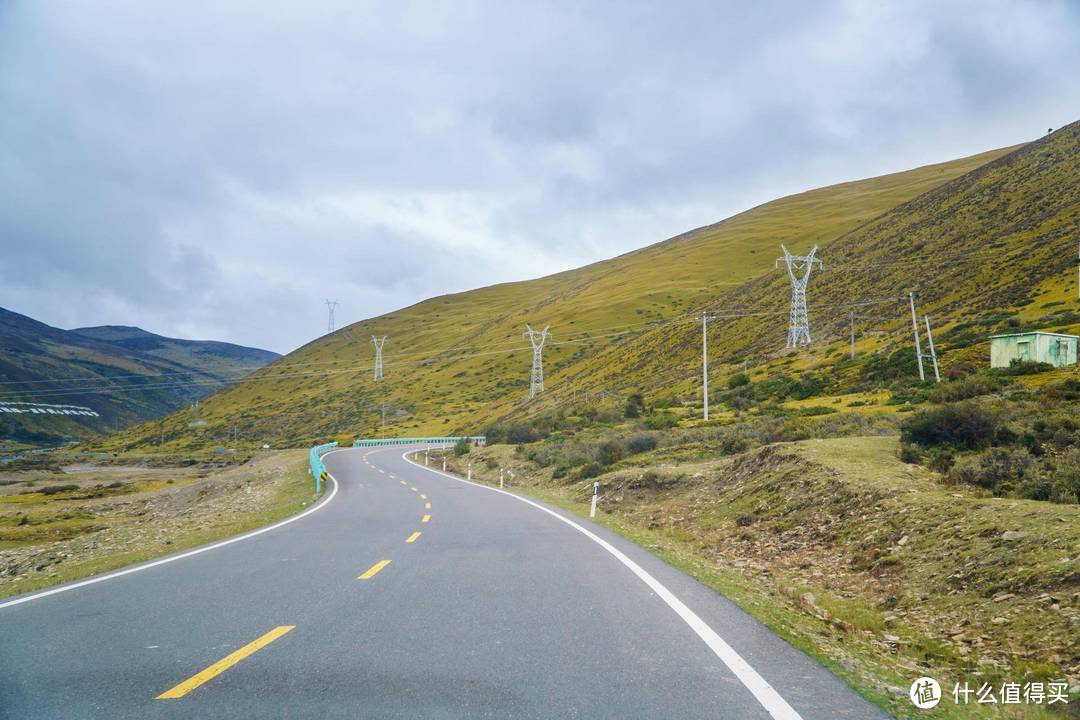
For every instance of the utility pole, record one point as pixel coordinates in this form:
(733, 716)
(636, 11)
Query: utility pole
(933, 353)
(852, 334)
(705, 364)
(378, 343)
(536, 339)
(915, 327)
(330, 305)
(799, 326)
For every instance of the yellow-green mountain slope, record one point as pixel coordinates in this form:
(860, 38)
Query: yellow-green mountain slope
(457, 362)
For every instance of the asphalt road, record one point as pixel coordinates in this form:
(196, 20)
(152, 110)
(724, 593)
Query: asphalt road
(492, 607)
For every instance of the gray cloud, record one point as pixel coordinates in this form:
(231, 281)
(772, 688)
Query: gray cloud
(215, 170)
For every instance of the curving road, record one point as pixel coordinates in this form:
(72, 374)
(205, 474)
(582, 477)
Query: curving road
(406, 594)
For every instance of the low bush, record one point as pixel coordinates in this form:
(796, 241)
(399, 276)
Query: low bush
(611, 452)
(964, 425)
(641, 443)
(999, 470)
(590, 470)
(737, 380)
(965, 388)
(56, 489)
(661, 421)
(1023, 368)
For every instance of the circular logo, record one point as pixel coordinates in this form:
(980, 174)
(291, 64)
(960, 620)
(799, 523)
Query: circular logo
(925, 693)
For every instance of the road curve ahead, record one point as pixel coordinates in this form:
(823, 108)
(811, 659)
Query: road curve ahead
(408, 594)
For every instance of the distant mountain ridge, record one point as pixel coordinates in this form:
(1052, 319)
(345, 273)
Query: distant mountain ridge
(124, 373)
(177, 349)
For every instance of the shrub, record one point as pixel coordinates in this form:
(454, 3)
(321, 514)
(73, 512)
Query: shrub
(55, 489)
(965, 388)
(611, 452)
(661, 421)
(635, 406)
(737, 380)
(590, 471)
(942, 460)
(1036, 488)
(640, 443)
(815, 410)
(910, 454)
(901, 364)
(1023, 368)
(960, 425)
(520, 434)
(461, 447)
(999, 470)
(806, 386)
(1066, 477)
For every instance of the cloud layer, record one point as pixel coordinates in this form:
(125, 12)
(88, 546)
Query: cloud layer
(215, 170)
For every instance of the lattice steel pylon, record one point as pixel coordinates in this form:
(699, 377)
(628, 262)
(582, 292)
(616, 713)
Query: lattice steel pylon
(330, 305)
(799, 268)
(537, 338)
(378, 343)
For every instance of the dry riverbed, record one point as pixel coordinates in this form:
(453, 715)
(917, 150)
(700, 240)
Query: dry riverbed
(86, 519)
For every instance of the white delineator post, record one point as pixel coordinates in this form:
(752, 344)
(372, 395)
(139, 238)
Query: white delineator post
(425, 457)
(444, 463)
(469, 471)
(500, 477)
(595, 494)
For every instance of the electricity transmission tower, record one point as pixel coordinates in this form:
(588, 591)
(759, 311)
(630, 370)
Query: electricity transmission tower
(330, 305)
(537, 338)
(378, 343)
(799, 268)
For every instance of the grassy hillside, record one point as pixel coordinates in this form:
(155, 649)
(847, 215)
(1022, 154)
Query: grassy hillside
(458, 362)
(126, 374)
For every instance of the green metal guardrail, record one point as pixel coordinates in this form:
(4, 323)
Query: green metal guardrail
(379, 442)
(318, 470)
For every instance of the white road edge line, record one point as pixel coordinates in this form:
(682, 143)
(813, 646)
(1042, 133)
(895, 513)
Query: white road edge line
(136, 568)
(765, 693)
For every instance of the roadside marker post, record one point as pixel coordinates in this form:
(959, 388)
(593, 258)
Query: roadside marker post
(595, 494)
(425, 457)
(444, 463)
(500, 477)
(469, 472)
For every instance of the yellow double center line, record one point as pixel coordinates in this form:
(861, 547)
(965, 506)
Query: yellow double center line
(224, 664)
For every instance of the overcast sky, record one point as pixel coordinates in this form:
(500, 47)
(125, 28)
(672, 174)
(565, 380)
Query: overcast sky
(215, 170)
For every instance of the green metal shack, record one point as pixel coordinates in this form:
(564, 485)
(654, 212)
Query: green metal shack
(1045, 347)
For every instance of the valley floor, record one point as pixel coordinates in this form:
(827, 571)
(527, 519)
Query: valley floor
(62, 524)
